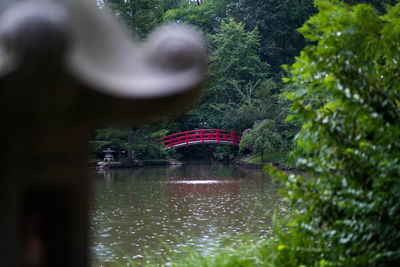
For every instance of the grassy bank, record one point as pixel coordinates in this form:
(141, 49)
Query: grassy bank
(250, 252)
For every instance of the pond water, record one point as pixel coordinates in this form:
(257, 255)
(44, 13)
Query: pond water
(138, 213)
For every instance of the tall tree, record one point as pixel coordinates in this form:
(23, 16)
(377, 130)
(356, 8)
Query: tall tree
(140, 16)
(207, 16)
(277, 21)
(233, 59)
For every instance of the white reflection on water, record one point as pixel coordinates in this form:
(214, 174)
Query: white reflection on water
(202, 182)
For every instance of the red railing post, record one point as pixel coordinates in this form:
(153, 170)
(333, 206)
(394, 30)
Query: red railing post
(218, 136)
(186, 139)
(202, 137)
(170, 142)
(233, 138)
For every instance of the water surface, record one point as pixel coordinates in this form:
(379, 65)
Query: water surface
(136, 212)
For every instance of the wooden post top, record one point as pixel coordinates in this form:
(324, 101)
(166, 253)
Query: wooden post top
(66, 67)
(69, 58)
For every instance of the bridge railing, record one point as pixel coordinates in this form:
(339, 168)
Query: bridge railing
(203, 135)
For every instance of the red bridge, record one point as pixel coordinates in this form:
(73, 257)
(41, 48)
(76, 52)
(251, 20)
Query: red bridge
(201, 137)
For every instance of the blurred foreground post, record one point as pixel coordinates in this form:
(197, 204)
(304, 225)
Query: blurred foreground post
(61, 63)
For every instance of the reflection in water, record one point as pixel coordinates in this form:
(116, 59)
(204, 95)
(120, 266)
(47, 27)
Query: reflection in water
(136, 211)
(108, 177)
(184, 181)
(187, 186)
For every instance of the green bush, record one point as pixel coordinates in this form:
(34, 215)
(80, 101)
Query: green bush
(225, 152)
(349, 213)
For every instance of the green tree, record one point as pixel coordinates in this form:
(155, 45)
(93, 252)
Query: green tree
(378, 4)
(140, 16)
(255, 101)
(349, 213)
(144, 144)
(234, 59)
(171, 4)
(277, 22)
(207, 16)
(241, 115)
(263, 138)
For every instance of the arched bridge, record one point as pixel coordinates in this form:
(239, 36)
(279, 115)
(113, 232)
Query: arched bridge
(202, 137)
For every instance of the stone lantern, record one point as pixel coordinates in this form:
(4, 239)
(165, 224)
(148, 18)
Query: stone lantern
(61, 63)
(108, 156)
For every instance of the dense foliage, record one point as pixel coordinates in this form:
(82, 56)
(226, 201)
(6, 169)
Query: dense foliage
(234, 64)
(350, 109)
(244, 86)
(248, 42)
(140, 16)
(277, 22)
(344, 89)
(207, 17)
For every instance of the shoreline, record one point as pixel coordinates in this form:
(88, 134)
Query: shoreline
(261, 165)
(174, 162)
